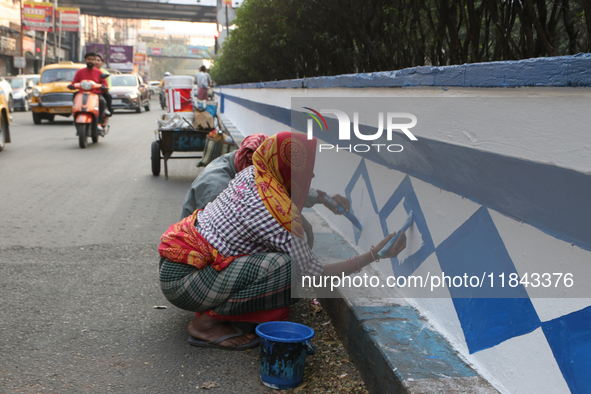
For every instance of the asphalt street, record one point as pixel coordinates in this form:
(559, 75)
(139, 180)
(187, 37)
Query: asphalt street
(79, 230)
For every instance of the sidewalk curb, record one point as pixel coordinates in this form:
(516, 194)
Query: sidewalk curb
(394, 348)
(395, 353)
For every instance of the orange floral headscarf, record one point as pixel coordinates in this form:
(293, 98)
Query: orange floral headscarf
(284, 166)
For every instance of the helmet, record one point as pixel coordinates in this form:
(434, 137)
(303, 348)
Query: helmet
(167, 74)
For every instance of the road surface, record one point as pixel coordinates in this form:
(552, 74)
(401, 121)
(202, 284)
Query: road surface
(79, 230)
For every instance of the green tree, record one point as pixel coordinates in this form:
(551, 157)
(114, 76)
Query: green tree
(285, 39)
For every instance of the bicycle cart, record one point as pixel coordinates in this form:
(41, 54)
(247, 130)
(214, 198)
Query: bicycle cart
(170, 141)
(185, 138)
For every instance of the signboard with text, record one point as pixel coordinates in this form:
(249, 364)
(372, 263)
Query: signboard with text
(182, 51)
(139, 59)
(37, 16)
(67, 18)
(19, 62)
(120, 57)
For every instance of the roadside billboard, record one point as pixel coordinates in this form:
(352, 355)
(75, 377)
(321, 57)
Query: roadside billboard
(67, 18)
(182, 51)
(139, 59)
(37, 16)
(119, 57)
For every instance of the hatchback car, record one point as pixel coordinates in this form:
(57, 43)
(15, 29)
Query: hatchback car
(22, 86)
(129, 91)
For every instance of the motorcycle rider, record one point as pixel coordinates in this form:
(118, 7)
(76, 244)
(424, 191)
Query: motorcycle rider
(166, 74)
(98, 63)
(93, 74)
(162, 93)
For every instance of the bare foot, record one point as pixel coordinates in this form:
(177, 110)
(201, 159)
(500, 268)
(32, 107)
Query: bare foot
(207, 328)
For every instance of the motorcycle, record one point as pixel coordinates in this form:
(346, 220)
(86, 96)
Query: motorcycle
(86, 112)
(163, 98)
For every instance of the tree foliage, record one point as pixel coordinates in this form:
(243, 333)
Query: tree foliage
(285, 39)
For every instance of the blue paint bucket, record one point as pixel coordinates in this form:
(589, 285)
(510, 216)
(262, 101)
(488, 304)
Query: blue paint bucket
(283, 349)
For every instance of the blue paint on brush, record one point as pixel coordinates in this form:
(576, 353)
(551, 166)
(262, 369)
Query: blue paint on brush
(392, 240)
(348, 214)
(405, 192)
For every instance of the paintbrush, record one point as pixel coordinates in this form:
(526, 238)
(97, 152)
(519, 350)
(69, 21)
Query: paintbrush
(341, 209)
(390, 243)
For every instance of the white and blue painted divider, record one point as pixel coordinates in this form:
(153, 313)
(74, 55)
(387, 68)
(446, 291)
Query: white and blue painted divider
(562, 71)
(505, 195)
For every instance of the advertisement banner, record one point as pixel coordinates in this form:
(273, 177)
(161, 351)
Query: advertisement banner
(119, 57)
(141, 47)
(96, 48)
(29, 46)
(37, 16)
(201, 52)
(139, 59)
(156, 51)
(182, 51)
(67, 18)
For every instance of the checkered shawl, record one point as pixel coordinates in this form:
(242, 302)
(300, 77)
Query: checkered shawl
(238, 223)
(251, 283)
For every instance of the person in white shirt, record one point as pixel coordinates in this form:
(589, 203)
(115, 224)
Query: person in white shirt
(203, 83)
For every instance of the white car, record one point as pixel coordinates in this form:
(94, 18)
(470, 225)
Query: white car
(154, 87)
(7, 90)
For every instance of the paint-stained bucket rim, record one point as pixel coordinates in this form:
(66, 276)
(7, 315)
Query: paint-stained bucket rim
(261, 327)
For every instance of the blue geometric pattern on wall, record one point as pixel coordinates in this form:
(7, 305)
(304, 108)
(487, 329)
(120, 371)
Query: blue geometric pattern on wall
(501, 319)
(473, 249)
(411, 203)
(361, 172)
(569, 337)
(487, 322)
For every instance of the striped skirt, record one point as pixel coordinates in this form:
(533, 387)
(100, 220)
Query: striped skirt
(250, 283)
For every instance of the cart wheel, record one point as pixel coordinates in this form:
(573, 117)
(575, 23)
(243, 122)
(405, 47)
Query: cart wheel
(155, 158)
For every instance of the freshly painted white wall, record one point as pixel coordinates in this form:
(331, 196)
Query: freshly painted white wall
(524, 123)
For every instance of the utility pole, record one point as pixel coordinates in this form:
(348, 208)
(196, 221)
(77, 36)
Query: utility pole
(44, 49)
(227, 25)
(60, 36)
(55, 48)
(22, 37)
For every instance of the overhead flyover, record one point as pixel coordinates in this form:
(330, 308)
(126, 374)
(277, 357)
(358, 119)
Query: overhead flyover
(172, 10)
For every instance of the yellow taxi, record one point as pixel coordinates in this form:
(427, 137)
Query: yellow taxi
(51, 96)
(4, 121)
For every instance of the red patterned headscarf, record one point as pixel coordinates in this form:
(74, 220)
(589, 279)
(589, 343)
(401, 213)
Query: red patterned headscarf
(284, 166)
(243, 156)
